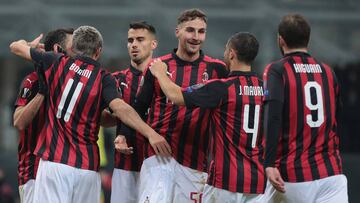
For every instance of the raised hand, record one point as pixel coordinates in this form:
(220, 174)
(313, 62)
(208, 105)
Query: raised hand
(158, 67)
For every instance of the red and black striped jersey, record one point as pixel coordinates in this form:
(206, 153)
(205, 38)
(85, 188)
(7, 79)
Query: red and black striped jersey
(28, 162)
(308, 144)
(236, 130)
(128, 83)
(78, 92)
(184, 129)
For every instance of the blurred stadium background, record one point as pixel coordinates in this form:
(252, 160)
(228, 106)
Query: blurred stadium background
(335, 40)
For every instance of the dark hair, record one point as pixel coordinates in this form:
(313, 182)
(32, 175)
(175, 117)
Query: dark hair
(142, 25)
(57, 36)
(245, 45)
(295, 30)
(191, 14)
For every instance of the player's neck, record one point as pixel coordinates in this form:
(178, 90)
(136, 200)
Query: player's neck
(186, 57)
(289, 51)
(238, 66)
(142, 66)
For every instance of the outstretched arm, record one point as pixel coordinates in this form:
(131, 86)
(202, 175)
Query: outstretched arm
(128, 115)
(170, 89)
(22, 47)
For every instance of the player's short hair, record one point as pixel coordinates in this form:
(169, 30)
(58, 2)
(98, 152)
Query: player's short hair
(295, 30)
(142, 25)
(191, 14)
(57, 36)
(86, 40)
(245, 45)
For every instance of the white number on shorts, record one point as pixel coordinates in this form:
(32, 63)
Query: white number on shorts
(74, 97)
(314, 107)
(246, 128)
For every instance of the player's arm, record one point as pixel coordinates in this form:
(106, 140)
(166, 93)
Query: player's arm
(128, 116)
(22, 48)
(170, 89)
(107, 120)
(273, 122)
(24, 114)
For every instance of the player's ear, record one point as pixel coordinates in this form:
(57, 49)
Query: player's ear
(232, 54)
(281, 41)
(177, 31)
(154, 44)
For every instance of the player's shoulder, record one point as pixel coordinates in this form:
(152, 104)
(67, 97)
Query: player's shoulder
(30, 79)
(166, 57)
(120, 73)
(209, 59)
(276, 66)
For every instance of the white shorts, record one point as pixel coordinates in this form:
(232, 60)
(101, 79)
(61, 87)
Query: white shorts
(214, 195)
(26, 191)
(164, 180)
(331, 189)
(124, 186)
(60, 183)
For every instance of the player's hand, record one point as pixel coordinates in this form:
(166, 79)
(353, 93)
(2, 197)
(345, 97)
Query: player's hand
(158, 68)
(121, 145)
(160, 145)
(36, 43)
(275, 179)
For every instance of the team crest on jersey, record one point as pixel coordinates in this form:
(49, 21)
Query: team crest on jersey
(194, 87)
(25, 93)
(205, 76)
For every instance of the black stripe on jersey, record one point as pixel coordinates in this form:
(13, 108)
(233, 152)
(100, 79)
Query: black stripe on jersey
(236, 138)
(327, 110)
(187, 120)
(226, 165)
(92, 111)
(286, 132)
(314, 131)
(175, 109)
(134, 88)
(299, 125)
(254, 170)
(55, 136)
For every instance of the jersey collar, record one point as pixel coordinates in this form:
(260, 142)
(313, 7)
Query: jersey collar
(297, 53)
(183, 62)
(135, 71)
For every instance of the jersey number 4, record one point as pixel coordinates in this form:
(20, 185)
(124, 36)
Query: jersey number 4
(64, 96)
(312, 105)
(254, 130)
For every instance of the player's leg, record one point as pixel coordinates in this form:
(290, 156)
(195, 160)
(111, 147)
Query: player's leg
(157, 180)
(27, 191)
(124, 186)
(54, 183)
(189, 184)
(333, 189)
(87, 186)
(300, 192)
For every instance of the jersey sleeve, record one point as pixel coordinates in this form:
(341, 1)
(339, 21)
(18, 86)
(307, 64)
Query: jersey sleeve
(273, 83)
(28, 90)
(109, 90)
(43, 60)
(222, 71)
(204, 96)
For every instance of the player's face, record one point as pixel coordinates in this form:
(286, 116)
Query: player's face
(191, 35)
(140, 45)
(68, 44)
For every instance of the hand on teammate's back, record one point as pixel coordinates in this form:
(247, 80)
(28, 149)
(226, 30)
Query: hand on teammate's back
(160, 145)
(157, 68)
(121, 145)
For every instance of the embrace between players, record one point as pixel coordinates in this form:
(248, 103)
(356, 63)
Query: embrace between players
(190, 128)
